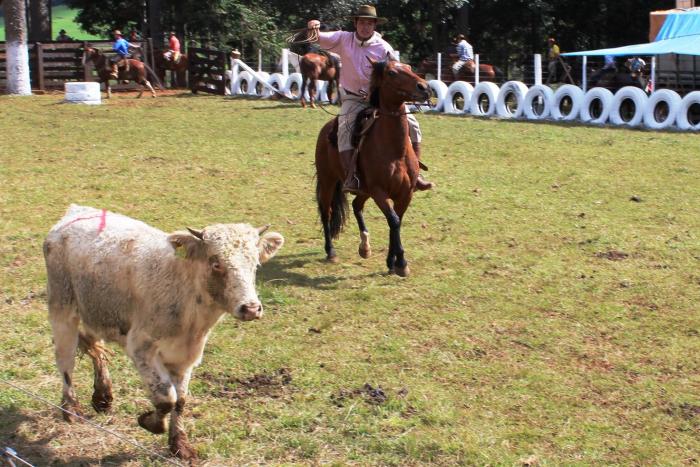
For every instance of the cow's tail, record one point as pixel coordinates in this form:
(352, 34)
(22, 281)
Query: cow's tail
(339, 208)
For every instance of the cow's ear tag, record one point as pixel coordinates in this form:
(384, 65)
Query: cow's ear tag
(181, 252)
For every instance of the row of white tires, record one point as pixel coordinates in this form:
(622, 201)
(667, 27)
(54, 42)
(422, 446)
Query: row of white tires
(661, 110)
(247, 84)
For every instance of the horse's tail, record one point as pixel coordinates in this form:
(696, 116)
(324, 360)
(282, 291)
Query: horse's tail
(153, 74)
(339, 208)
(499, 73)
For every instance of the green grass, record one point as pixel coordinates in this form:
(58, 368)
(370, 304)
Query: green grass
(62, 17)
(549, 317)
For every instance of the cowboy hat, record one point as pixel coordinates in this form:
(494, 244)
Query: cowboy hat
(368, 11)
(117, 32)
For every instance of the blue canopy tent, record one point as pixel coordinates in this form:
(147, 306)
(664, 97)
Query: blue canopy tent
(680, 35)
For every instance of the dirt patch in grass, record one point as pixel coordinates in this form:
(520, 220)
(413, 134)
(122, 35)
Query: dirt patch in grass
(612, 255)
(274, 384)
(368, 393)
(685, 411)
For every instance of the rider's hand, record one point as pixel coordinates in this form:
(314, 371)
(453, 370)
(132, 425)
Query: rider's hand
(313, 24)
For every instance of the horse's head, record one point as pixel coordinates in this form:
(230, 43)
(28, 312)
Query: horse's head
(91, 53)
(394, 83)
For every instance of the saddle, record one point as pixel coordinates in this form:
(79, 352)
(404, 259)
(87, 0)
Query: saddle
(363, 122)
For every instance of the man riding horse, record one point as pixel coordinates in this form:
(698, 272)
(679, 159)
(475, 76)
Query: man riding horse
(121, 47)
(173, 53)
(356, 49)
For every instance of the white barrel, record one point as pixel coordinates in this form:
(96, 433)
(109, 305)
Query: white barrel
(83, 93)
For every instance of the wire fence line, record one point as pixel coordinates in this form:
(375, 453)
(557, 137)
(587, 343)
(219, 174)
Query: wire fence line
(93, 424)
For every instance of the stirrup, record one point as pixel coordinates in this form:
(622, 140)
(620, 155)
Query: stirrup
(352, 185)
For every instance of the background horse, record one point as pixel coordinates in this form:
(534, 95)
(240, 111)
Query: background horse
(487, 72)
(315, 66)
(387, 164)
(165, 62)
(136, 73)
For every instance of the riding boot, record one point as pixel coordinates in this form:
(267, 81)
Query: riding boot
(349, 161)
(421, 183)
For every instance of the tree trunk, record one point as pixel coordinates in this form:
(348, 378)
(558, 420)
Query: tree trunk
(17, 61)
(155, 14)
(40, 20)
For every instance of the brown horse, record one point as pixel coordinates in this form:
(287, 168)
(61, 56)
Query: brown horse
(165, 62)
(314, 66)
(487, 72)
(387, 164)
(136, 72)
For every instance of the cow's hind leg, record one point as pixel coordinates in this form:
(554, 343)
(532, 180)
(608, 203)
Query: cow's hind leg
(156, 378)
(358, 204)
(64, 324)
(102, 394)
(177, 436)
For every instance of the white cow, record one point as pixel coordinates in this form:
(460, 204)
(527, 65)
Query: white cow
(158, 295)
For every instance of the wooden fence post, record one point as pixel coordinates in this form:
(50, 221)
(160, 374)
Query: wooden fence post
(39, 47)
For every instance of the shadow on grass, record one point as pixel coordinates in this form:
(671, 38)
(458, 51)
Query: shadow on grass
(279, 270)
(38, 451)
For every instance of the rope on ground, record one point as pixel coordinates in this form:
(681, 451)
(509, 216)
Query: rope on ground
(10, 455)
(93, 424)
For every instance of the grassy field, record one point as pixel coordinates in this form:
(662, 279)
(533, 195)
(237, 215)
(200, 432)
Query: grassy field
(551, 318)
(61, 18)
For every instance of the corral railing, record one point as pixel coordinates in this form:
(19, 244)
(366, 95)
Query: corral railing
(207, 68)
(52, 64)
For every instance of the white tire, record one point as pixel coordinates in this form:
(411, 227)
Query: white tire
(518, 91)
(540, 93)
(276, 80)
(252, 89)
(243, 80)
(293, 80)
(321, 95)
(602, 95)
(484, 89)
(440, 90)
(672, 101)
(457, 88)
(575, 95)
(637, 96)
(682, 120)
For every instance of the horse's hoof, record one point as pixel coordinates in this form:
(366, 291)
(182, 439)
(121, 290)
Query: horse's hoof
(76, 412)
(156, 427)
(332, 259)
(401, 272)
(181, 448)
(365, 253)
(313, 106)
(102, 401)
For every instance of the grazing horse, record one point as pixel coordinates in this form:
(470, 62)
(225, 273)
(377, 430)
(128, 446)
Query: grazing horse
(136, 72)
(387, 164)
(164, 61)
(315, 66)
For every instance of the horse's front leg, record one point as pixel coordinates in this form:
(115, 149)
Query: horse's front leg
(358, 205)
(108, 89)
(395, 260)
(312, 92)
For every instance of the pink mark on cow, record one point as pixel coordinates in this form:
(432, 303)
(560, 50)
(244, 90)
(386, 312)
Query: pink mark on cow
(100, 228)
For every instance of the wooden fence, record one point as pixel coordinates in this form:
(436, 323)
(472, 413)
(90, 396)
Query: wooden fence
(207, 69)
(51, 64)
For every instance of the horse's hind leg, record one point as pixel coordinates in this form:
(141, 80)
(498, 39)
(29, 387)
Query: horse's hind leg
(102, 394)
(150, 88)
(303, 90)
(312, 92)
(325, 199)
(358, 204)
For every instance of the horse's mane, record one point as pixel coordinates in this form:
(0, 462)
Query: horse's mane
(375, 81)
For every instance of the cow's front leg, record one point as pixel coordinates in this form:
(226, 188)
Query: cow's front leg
(177, 436)
(157, 380)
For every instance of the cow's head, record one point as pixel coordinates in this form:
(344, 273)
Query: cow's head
(229, 254)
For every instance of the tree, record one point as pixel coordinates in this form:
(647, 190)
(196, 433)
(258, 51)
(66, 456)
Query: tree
(40, 20)
(17, 55)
